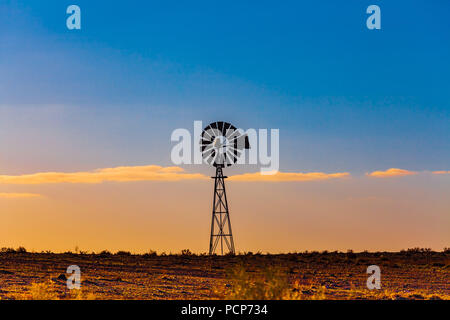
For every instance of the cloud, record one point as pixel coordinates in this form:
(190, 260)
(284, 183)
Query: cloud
(173, 173)
(118, 174)
(289, 176)
(154, 173)
(441, 172)
(392, 172)
(9, 195)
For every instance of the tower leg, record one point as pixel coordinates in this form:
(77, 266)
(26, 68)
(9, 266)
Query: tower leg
(220, 223)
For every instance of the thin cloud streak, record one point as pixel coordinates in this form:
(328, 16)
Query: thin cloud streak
(441, 172)
(117, 174)
(9, 195)
(174, 173)
(154, 173)
(289, 176)
(392, 172)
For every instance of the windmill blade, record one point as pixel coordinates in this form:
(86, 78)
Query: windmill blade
(205, 133)
(227, 126)
(209, 156)
(232, 133)
(207, 147)
(231, 158)
(220, 126)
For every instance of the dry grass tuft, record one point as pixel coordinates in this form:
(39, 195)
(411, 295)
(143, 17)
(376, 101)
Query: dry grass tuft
(271, 284)
(50, 291)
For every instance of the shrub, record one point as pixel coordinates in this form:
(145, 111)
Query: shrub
(123, 253)
(272, 284)
(42, 291)
(419, 250)
(186, 252)
(351, 254)
(105, 253)
(21, 250)
(150, 253)
(48, 291)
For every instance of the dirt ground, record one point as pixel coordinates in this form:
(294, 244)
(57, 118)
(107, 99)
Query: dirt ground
(404, 275)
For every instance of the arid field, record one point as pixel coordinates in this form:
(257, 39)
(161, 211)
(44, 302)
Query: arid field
(411, 274)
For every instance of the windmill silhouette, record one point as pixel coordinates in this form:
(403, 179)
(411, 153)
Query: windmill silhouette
(221, 145)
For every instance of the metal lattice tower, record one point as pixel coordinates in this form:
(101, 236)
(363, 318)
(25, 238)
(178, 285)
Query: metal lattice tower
(220, 224)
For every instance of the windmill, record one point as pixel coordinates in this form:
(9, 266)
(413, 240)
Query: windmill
(221, 145)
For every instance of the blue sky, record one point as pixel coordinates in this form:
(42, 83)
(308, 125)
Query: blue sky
(344, 97)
